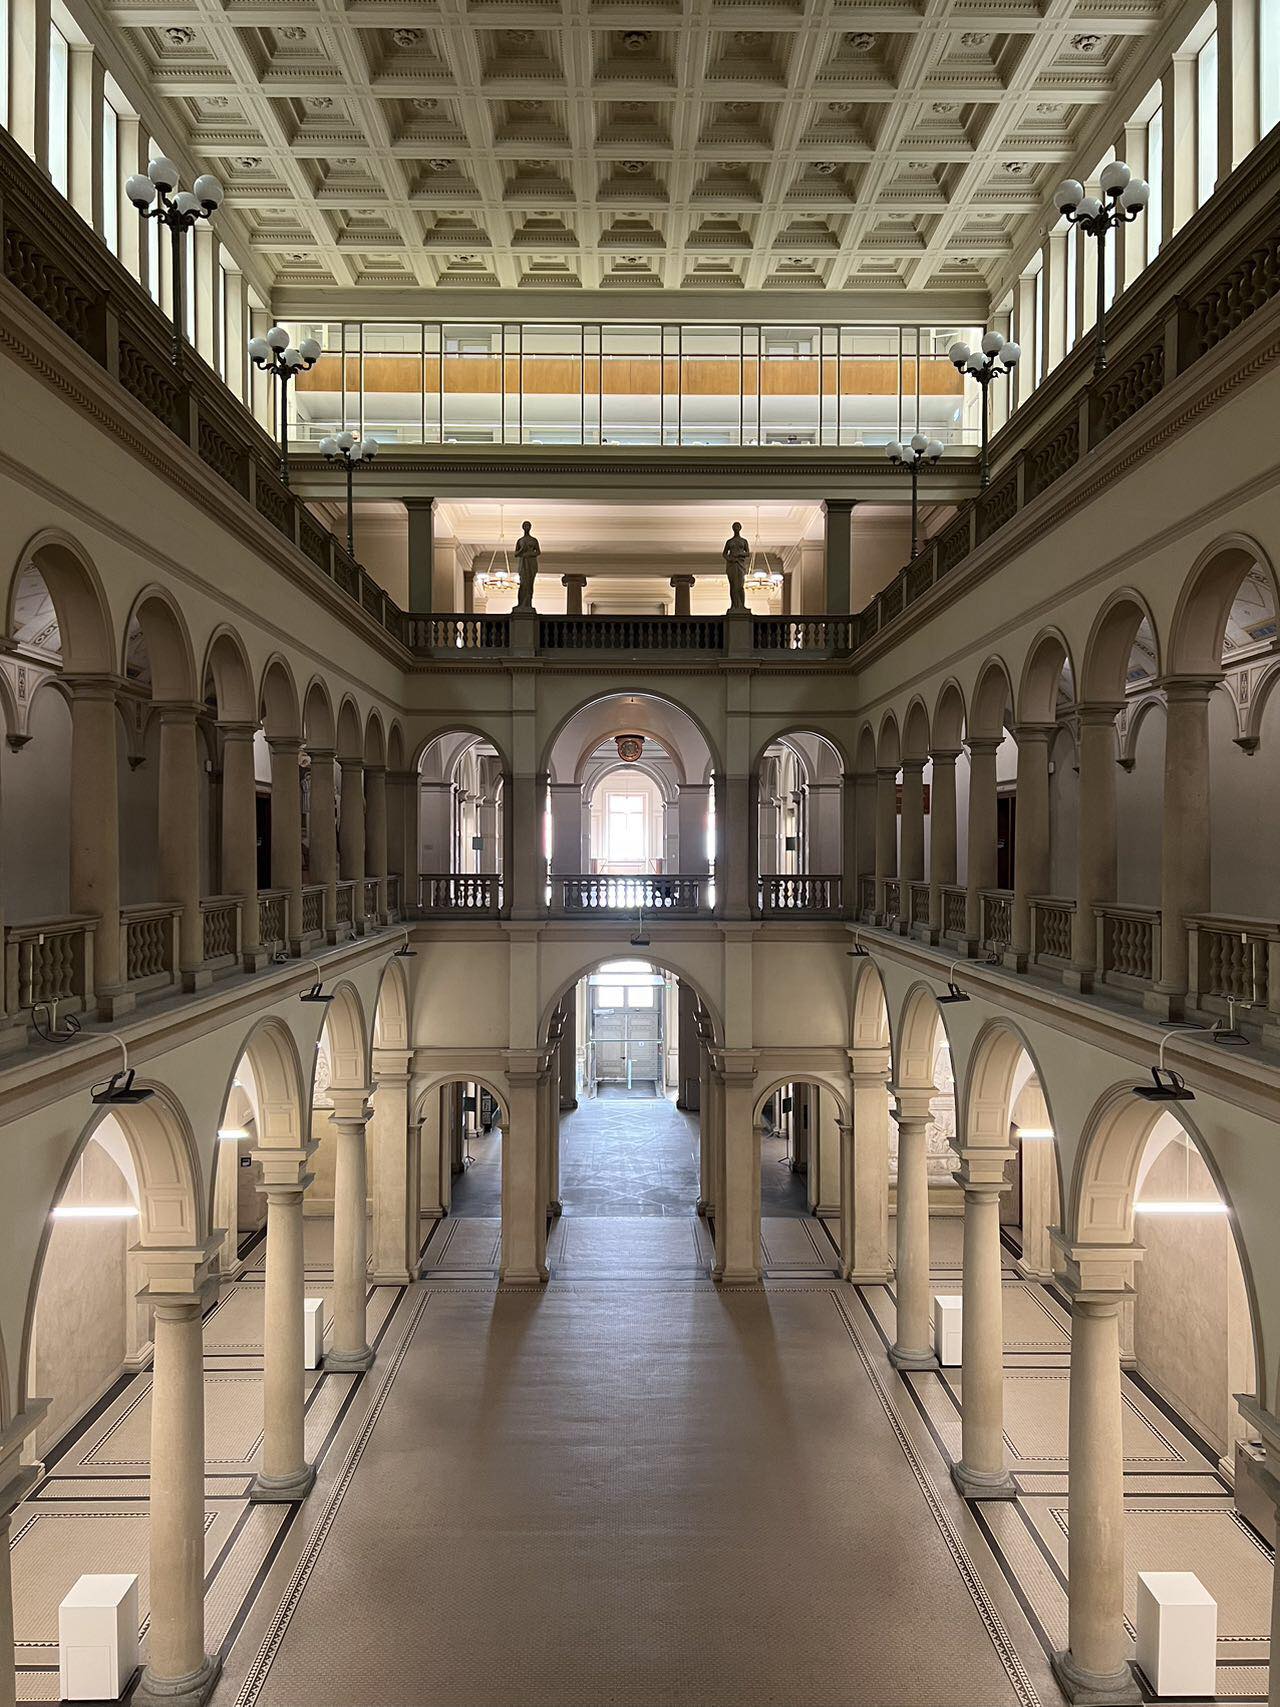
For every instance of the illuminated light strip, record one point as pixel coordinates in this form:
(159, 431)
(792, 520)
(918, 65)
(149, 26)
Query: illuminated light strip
(1155, 1208)
(232, 1134)
(95, 1212)
(1035, 1132)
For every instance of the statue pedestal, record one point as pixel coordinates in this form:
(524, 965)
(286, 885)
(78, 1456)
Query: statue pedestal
(738, 633)
(523, 632)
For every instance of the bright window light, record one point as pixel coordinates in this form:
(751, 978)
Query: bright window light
(1035, 1132)
(58, 131)
(95, 1212)
(232, 1134)
(1206, 119)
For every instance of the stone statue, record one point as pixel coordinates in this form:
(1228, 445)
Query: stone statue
(527, 553)
(737, 556)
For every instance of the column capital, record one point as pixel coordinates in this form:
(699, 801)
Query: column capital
(284, 1168)
(981, 1171)
(573, 580)
(683, 580)
(911, 1102)
(419, 504)
(237, 730)
(1031, 734)
(1098, 711)
(839, 506)
(179, 1275)
(285, 744)
(351, 1107)
(86, 686)
(1188, 689)
(373, 770)
(987, 745)
(180, 710)
(1094, 1274)
(887, 773)
(16, 1478)
(914, 766)
(349, 763)
(944, 755)
(323, 754)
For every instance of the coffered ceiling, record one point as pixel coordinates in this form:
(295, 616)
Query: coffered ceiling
(687, 146)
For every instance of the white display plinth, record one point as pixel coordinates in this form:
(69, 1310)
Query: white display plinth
(98, 1638)
(1177, 1633)
(312, 1332)
(947, 1316)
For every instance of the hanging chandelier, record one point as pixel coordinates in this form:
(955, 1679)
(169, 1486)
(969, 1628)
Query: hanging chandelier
(499, 579)
(761, 576)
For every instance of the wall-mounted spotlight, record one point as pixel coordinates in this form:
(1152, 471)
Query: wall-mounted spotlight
(1166, 1085)
(954, 992)
(641, 937)
(857, 952)
(48, 1030)
(316, 993)
(404, 952)
(120, 1087)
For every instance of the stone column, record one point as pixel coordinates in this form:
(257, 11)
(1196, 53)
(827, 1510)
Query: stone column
(400, 802)
(864, 836)
(706, 1115)
(886, 834)
(422, 537)
(1267, 1424)
(574, 587)
(16, 1482)
(942, 833)
(733, 850)
(568, 855)
(569, 1053)
(1095, 837)
(864, 1182)
(324, 835)
(693, 806)
(682, 586)
(393, 1150)
(838, 521)
(982, 831)
(95, 831)
(179, 836)
(1094, 1667)
(351, 850)
(349, 1348)
(912, 1347)
(1031, 837)
(737, 1224)
(911, 852)
(375, 832)
(285, 1475)
(181, 1285)
(980, 1472)
(826, 1177)
(526, 867)
(240, 835)
(286, 830)
(849, 804)
(524, 1204)
(688, 1047)
(1184, 848)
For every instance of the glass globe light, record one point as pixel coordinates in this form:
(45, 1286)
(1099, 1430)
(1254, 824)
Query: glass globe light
(208, 190)
(187, 202)
(934, 450)
(140, 190)
(992, 343)
(345, 440)
(163, 174)
(1010, 353)
(893, 450)
(368, 449)
(976, 362)
(310, 350)
(959, 354)
(260, 349)
(278, 338)
(1136, 194)
(1089, 208)
(292, 358)
(328, 447)
(1068, 194)
(1114, 177)
(918, 442)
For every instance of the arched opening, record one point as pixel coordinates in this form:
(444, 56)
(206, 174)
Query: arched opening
(799, 825)
(461, 824)
(461, 1124)
(799, 1121)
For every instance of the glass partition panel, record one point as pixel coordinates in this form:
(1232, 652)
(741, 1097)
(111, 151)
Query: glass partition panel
(630, 381)
(391, 382)
(326, 398)
(472, 390)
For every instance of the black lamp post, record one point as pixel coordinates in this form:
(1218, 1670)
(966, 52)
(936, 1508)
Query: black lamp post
(1123, 198)
(179, 212)
(275, 355)
(345, 447)
(996, 359)
(910, 456)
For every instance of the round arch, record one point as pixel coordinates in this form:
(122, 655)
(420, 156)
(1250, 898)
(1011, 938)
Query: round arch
(284, 1099)
(156, 615)
(949, 717)
(915, 733)
(346, 1034)
(592, 962)
(916, 1041)
(1048, 655)
(602, 699)
(785, 732)
(888, 744)
(319, 729)
(1104, 1186)
(350, 733)
(391, 1006)
(278, 700)
(436, 1081)
(1199, 623)
(870, 1012)
(992, 698)
(79, 602)
(767, 1083)
(375, 741)
(226, 664)
(172, 1207)
(471, 730)
(985, 1099)
(1106, 652)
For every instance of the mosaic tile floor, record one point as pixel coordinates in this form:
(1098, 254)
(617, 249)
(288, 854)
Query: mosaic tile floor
(629, 1488)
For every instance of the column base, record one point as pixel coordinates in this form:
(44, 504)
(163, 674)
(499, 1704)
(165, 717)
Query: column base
(195, 978)
(283, 1490)
(568, 1107)
(555, 1207)
(348, 1362)
(392, 1277)
(190, 1691)
(903, 1358)
(867, 1276)
(737, 1276)
(1081, 978)
(982, 1484)
(1029, 1272)
(115, 1004)
(1165, 1004)
(702, 1206)
(526, 1277)
(821, 1209)
(1016, 959)
(254, 959)
(1091, 1688)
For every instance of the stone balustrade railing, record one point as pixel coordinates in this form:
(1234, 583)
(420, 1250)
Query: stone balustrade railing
(273, 919)
(997, 919)
(220, 918)
(1051, 917)
(891, 908)
(477, 894)
(346, 905)
(593, 892)
(800, 893)
(867, 896)
(631, 634)
(373, 907)
(826, 635)
(149, 945)
(1128, 946)
(919, 911)
(312, 913)
(49, 960)
(1221, 267)
(395, 909)
(453, 631)
(955, 904)
(1234, 961)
